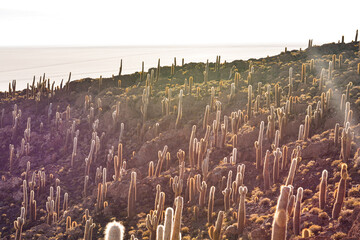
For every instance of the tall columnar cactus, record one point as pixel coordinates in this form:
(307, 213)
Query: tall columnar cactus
(227, 192)
(114, 231)
(258, 146)
(323, 189)
(297, 212)
(303, 73)
(215, 232)
(284, 162)
(89, 226)
(177, 186)
(211, 204)
(32, 206)
(206, 116)
(280, 218)
(237, 78)
(202, 190)
(249, 105)
(160, 232)
(132, 196)
(277, 96)
(19, 223)
(175, 233)
(340, 194)
(291, 82)
(242, 210)
(306, 127)
(152, 222)
(169, 212)
(266, 171)
(192, 147)
(180, 107)
(346, 139)
(331, 68)
(290, 178)
(336, 135)
(270, 131)
(161, 157)
(276, 167)
(11, 157)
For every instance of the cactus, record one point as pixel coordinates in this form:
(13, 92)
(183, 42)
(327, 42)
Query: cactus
(276, 168)
(89, 226)
(340, 194)
(291, 82)
(114, 231)
(175, 232)
(270, 131)
(258, 146)
(297, 212)
(227, 192)
(346, 139)
(211, 204)
(266, 171)
(277, 96)
(215, 232)
(323, 189)
(242, 210)
(284, 162)
(132, 196)
(160, 232)
(177, 186)
(192, 147)
(168, 223)
(152, 222)
(336, 135)
(180, 107)
(306, 233)
(249, 105)
(290, 178)
(19, 223)
(280, 218)
(202, 190)
(303, 73)
(161, 157)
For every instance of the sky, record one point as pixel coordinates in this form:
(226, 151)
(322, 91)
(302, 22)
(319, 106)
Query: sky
(168, 22)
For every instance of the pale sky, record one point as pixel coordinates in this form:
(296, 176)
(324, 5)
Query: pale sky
(166, 22)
